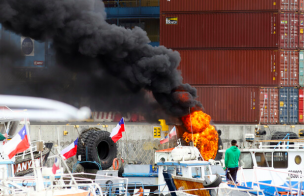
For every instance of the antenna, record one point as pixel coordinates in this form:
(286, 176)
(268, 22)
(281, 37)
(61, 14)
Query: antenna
(191, 125)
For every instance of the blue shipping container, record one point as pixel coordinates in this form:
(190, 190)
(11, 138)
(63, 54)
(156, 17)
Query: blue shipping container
(288, 104)
(35, 52)
(301, 68)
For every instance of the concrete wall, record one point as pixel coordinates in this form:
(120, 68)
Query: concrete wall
(138, 144)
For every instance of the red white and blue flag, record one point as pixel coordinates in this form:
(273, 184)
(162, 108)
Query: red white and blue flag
(70, 151)
(166, 139)
(172, 132)
(55, 166)
(117, 131)
(18, 144)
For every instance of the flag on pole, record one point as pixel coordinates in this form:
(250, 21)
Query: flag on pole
(165, 140)
(117, 131)
(18, 144)
(172, 132)
(70, 151)
(55, 166)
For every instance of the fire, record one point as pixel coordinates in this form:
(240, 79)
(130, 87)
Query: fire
(204, 136)
(200, 121)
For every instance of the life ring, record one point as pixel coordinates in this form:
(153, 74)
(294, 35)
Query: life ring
(115, 164)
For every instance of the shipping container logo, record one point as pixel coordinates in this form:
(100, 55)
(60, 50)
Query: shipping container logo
(171, 20)
(27, 46)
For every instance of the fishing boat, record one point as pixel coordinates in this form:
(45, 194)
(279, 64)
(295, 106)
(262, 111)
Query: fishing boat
(274, 166)
(44, 181)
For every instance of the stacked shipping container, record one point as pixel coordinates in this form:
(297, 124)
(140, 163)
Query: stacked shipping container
(244, 57)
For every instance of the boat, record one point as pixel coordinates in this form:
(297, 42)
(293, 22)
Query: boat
(43, 181)
(274, 166)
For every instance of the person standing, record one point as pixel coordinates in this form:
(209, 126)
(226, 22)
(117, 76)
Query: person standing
(232, 156)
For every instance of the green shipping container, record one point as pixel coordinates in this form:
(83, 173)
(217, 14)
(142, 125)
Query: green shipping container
(301, 68)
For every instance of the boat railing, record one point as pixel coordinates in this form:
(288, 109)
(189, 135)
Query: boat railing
(281, 144)
(286, 186)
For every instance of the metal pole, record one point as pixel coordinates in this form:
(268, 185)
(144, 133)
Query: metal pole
(191, 125)
(31, 150)
(39, 144)
(73, 179)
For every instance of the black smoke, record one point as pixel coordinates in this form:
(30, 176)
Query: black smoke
(113, 66)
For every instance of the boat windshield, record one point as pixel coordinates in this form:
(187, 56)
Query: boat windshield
(246, 160)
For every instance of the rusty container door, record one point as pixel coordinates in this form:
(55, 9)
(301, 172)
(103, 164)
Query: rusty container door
(230, 104)
(229, 5)
(289, 30)
(301, 5)
(289, 68)
(269, 106)
(301, 31)
(220, 30)
(289, 5)
(230, 67)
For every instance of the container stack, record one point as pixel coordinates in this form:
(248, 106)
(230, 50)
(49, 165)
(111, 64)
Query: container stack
(244, 57)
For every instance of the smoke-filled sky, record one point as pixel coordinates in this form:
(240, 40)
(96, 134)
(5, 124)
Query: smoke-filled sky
(111, 65)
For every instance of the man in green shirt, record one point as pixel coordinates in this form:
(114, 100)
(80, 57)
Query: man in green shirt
(232, 156)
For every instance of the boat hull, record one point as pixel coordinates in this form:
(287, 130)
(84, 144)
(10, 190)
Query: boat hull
(182, 183)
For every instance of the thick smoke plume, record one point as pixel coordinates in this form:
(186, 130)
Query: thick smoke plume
(112, 65)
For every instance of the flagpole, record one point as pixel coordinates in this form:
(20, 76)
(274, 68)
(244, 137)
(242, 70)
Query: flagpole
(31, 150)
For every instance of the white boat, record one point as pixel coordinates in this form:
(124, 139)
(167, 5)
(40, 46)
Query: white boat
(43, 181)
(276, 169)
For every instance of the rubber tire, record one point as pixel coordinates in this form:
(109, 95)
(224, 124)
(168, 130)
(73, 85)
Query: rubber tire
(219, 155)
(215, 183)
(81, 149)
(280, 135)
(101, 149)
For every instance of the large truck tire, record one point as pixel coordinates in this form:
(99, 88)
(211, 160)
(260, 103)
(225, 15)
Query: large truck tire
(213, 184)
(280, 135)
(99, 147)
(81, 146)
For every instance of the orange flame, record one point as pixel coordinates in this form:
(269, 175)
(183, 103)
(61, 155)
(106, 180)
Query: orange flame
(205, 137)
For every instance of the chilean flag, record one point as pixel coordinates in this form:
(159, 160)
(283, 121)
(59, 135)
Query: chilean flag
(172, 132)
(117, 131)
(70, 151)
(18, 144)
(166, 139)
(55, 166)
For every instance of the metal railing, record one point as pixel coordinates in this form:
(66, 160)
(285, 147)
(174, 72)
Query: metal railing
(131, 3)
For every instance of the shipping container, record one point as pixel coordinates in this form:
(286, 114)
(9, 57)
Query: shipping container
(301, 68)
(240, 67)
(301, 30)
(289, 68)
(35, 52)
(301, 105)
(229, 104)
(230, 30)
(288, 105)
(268, 106)
(229, 5)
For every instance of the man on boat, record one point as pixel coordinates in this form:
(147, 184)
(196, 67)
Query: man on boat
(232, 156)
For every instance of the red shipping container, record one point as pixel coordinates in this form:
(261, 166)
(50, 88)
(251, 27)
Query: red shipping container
(289, 68)
(230, 67)
(229, 5)
(301, 105)
(269, 106)
(229, 30)
(229, 104)
(240, 67)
